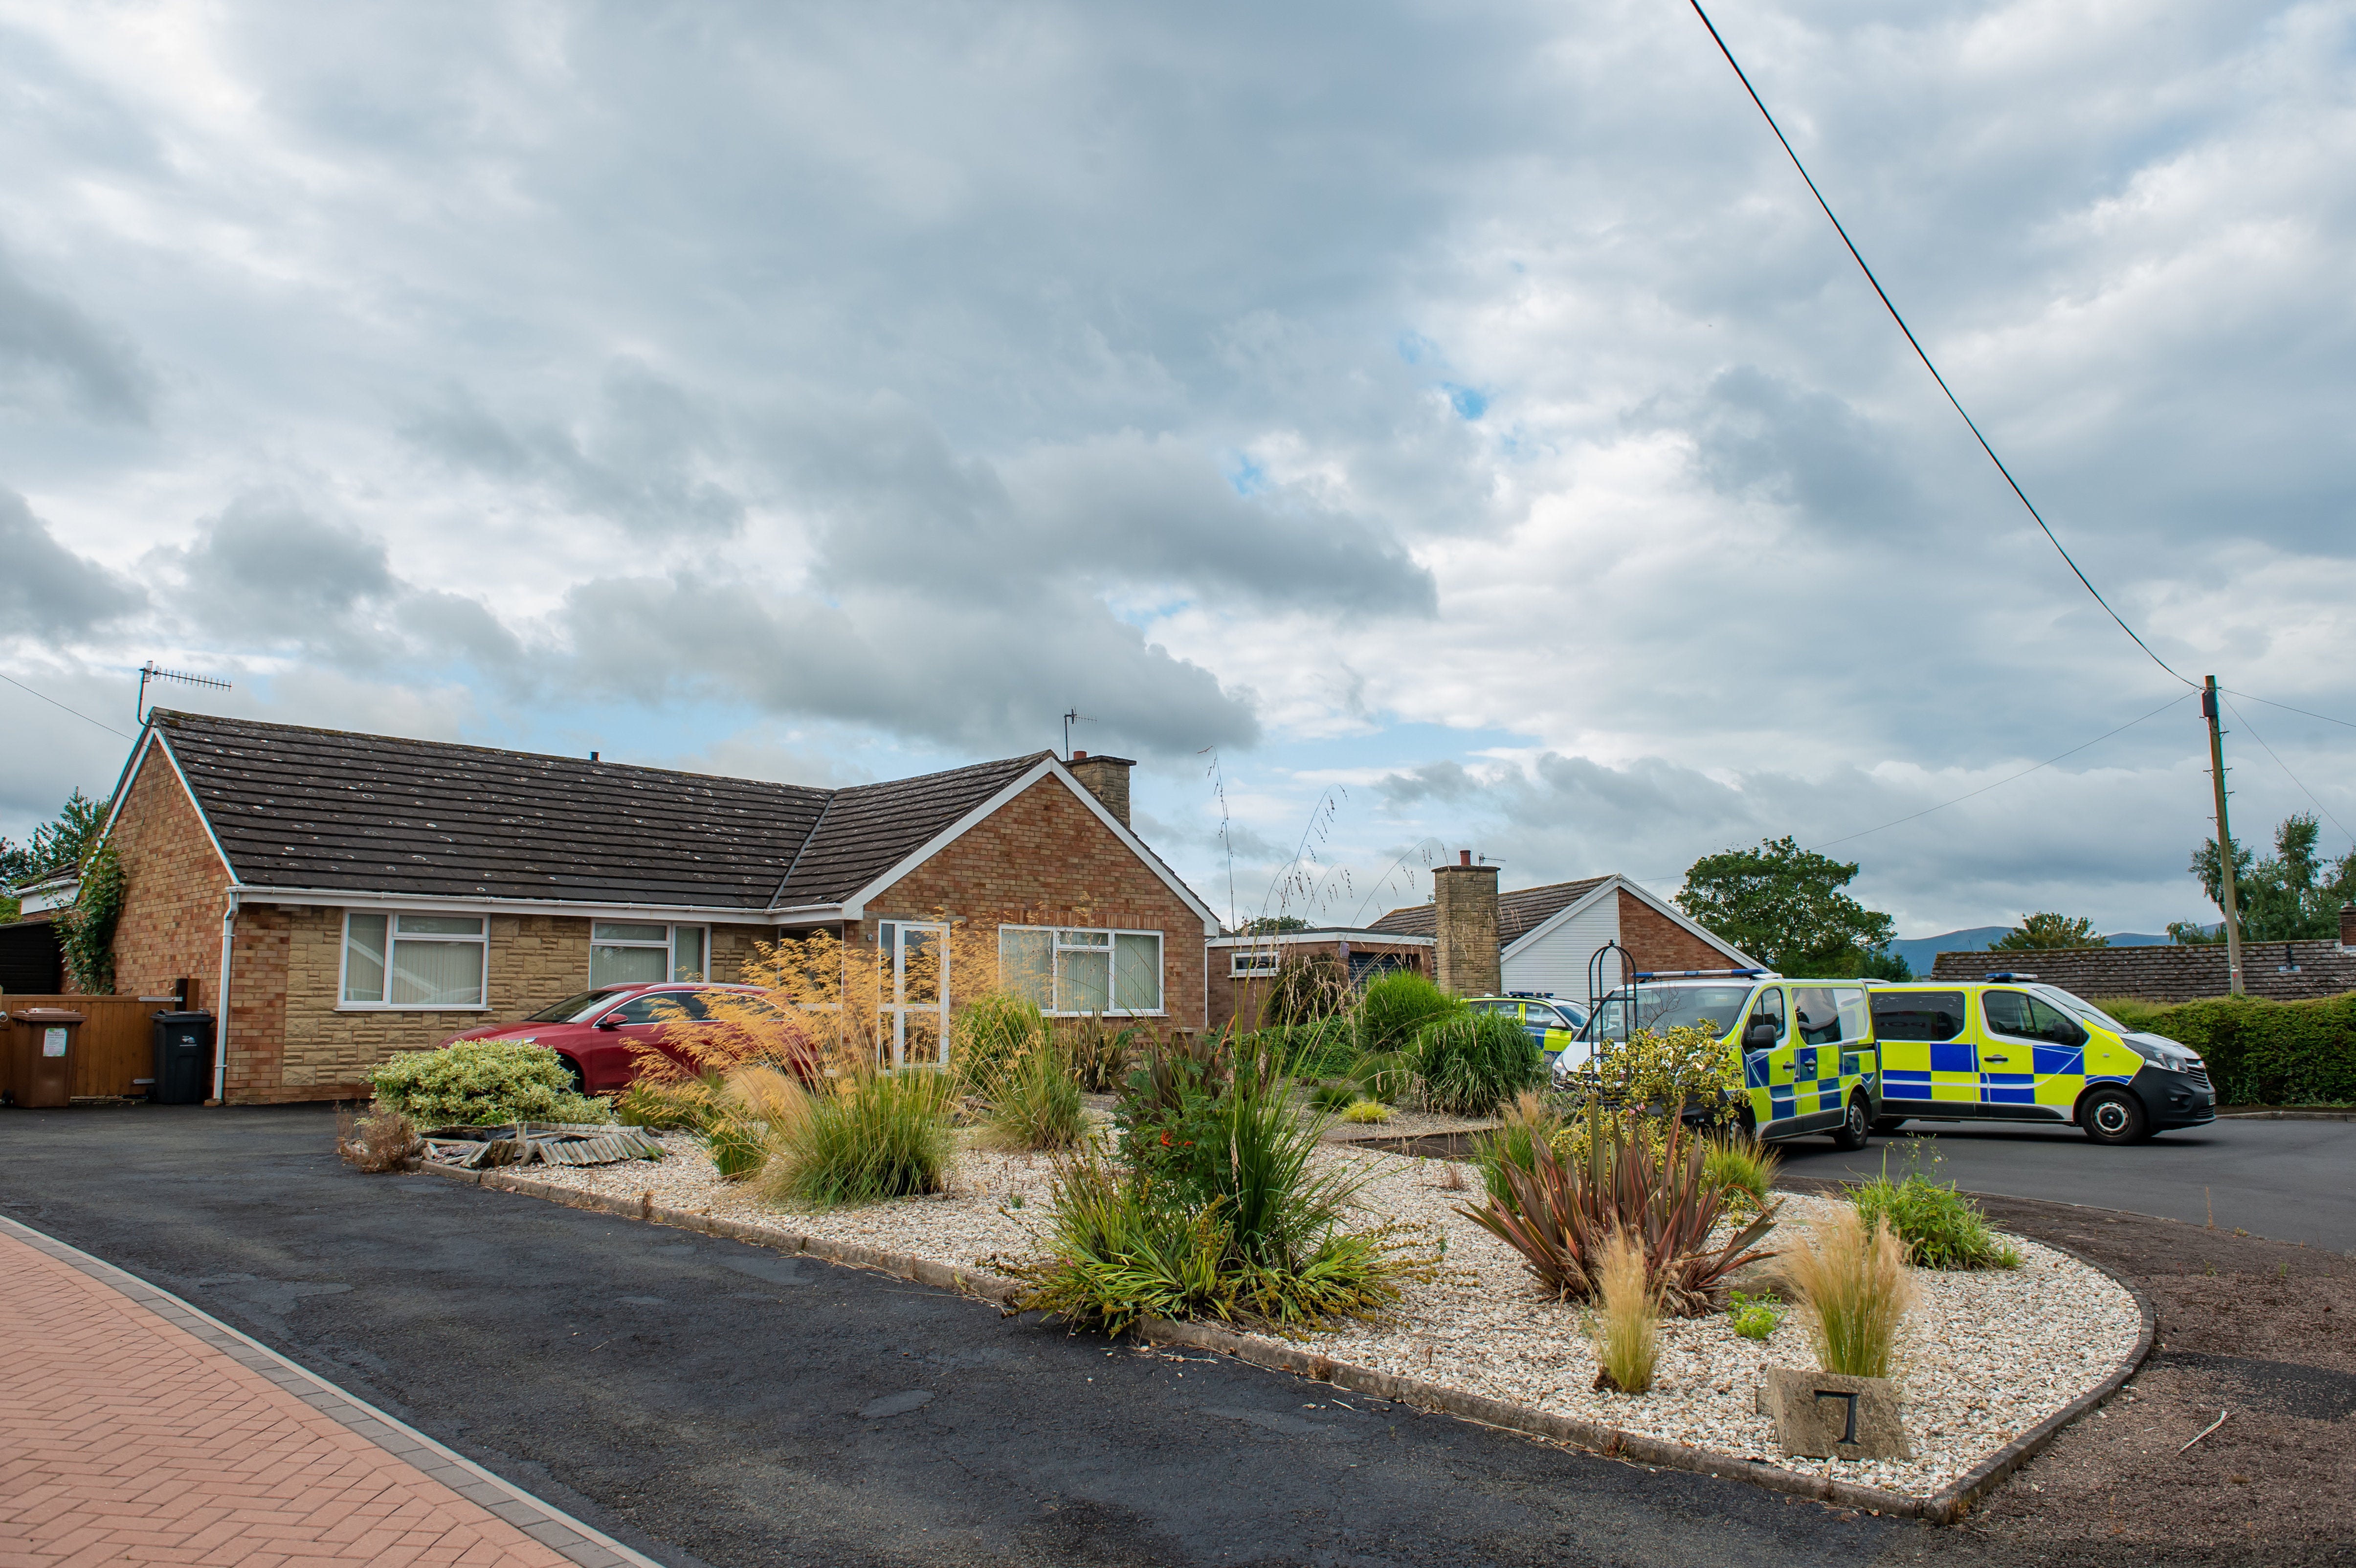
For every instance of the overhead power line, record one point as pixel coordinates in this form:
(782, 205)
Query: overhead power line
(53, 702)
(1916, 344)
(2294, 778)
(2287, 708)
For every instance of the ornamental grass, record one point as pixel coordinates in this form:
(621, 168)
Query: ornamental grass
(1625, 1326)
(1853, 1291)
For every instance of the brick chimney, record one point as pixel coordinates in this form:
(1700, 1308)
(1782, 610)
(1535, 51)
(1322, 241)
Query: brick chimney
(2348, 925)
(1466, 954)
(1106, 778)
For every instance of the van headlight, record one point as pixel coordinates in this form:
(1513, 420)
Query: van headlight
(2161, 1052)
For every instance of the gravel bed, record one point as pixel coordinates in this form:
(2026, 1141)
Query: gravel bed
(1990, 1353)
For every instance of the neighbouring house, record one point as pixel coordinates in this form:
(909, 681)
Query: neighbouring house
(336, 897)
(1545, 939)
(1243, 968)
(2278, 971)
(30, 959)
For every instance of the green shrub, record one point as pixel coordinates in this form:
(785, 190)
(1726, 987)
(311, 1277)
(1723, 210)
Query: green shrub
(482, 1083)
(1396, 1008)
(1101, 1054)
(1328, 1048)
(1531, 1120)
(1939, 1227)
(1035, 1103)
(1755, 1317)
(1470, 1063)
(1335, 1098)
(1167, 1114)
(1366, 1112)
(2260, 1052)
(991, 1031)
(1384, 1075)
(874, 1136)
(1305, 990)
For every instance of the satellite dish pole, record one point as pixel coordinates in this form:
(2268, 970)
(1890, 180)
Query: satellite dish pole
(149, 671)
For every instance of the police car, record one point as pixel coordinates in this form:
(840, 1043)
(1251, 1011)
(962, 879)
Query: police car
(2009, 1049)
(1552, 1022)
(1800, 1054)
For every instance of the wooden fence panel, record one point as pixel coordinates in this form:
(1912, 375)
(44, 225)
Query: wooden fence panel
(116, 1044)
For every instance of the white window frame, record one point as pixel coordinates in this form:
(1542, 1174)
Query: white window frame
(1253, 962)
(1111, 933)
(392, 936)
(669, 945)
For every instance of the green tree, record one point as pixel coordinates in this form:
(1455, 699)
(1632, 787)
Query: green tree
(1274, 925)
(2048, 930)
(2293, 895)
(57, 845)
(1784, 905)
(1881, 964)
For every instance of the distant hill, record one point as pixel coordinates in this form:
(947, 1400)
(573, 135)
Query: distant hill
(1921, 950)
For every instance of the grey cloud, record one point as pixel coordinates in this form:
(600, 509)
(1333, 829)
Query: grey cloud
(45, 588)
(52, 355)
(264, 564)
(636, 466)
(1756, 433)
(974, 676)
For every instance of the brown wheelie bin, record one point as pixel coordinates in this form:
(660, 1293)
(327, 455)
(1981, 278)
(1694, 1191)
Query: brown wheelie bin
(42, 1044)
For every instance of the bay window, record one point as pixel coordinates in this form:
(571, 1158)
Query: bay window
(1070, 971)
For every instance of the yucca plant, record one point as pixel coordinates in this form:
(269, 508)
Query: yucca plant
(1559, 1214)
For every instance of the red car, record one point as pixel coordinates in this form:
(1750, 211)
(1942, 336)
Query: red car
(593, 1031)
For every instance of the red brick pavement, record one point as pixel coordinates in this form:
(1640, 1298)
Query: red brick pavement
(126, 1439)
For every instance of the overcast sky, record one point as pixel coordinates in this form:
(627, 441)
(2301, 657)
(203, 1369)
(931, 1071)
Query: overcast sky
(1458, 413)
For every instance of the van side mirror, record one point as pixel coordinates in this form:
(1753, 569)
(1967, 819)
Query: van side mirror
(1760, 1035)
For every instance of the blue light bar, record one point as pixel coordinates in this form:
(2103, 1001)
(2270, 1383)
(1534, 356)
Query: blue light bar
(1701, 974)
(2010, 974)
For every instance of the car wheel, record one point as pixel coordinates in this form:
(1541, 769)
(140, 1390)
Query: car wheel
(2114, 1117)
(580, 1079)
(1857, 1128)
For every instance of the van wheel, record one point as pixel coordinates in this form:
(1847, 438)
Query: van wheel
(1856, 1129)
(2114, 1117)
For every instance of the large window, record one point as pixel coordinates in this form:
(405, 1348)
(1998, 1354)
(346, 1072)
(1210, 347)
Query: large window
(1072, 971)
(630, 953)
(424, 961)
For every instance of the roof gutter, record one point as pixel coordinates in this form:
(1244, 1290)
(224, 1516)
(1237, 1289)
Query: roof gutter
(353, 898)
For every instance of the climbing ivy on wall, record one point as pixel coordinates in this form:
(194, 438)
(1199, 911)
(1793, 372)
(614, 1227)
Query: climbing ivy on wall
(86, 932)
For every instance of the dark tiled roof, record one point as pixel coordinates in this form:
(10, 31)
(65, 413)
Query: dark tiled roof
(330, 809)
(1518, 913)
(869, 828)
(2166, 973)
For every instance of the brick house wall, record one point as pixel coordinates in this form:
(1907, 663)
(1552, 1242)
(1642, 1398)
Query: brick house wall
(1044, 858)
(174, 889)
(2166, 973)
(288, 1041)
(1240, 1001)
(1657, 942)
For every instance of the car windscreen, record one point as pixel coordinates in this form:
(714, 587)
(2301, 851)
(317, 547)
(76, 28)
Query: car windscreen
(570, 1008)
(1668, 1007)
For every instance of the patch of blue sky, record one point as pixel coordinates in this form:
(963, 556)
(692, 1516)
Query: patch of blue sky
(1244, 476)
(1413, 347)
(1469, 402)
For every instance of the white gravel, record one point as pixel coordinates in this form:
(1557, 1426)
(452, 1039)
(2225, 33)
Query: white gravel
(1989, 1353)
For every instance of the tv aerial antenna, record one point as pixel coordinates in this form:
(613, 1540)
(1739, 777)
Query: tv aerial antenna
(1072, 716)
(150, 671)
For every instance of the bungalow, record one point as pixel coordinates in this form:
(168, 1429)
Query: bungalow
(336, 897)
(1545, 939)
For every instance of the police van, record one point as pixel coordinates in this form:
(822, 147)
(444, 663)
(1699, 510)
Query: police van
(2009, 1049)
(1800, 1054)
(1551, 1023)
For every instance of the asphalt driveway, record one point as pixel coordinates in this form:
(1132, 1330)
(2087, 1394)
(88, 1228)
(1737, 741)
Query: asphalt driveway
(2289, 1181)
(711, 1401)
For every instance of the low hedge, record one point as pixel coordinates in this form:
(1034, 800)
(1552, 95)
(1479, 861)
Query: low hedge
(2261, 1052)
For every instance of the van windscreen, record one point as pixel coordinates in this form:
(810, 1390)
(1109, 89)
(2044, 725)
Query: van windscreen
(1669, 1007)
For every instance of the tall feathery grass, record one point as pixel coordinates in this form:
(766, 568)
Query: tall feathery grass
(1854, 1290)
(1034, 1102)
(1624, 1328)
(868, 1135)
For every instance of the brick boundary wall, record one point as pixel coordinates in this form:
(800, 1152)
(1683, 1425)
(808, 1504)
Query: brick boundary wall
(1044, 858)
(1657, 942)
(2168, 973)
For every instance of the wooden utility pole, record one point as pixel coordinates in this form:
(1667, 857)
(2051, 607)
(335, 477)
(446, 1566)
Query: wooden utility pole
(2224, 839)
